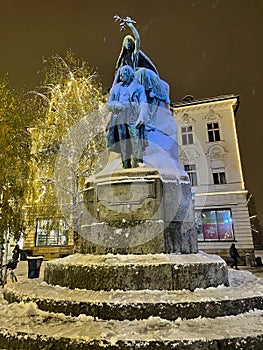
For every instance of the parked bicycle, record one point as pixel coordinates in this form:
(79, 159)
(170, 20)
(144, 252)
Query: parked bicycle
(8, 271)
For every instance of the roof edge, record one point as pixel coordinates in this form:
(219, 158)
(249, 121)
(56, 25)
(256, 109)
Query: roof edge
(208, 99)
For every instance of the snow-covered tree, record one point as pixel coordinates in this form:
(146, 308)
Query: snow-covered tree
(68, 139)
(16, 117)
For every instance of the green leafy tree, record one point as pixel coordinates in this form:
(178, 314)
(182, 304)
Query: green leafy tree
(16, 117)
(68, 139)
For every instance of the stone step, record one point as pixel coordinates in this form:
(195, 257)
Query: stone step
(137, 272)
(121, 305)
(24, 326)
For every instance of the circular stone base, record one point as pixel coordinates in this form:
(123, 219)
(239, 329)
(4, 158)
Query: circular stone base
(137, 272)
(142, 304)
(35, 329)
(103, 320)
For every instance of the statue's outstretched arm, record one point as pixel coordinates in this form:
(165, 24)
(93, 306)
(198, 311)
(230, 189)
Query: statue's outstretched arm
(130, 23)
(135, 33)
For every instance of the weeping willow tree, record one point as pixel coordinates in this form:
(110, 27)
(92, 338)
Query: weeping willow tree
(67, 140)
(16, 117)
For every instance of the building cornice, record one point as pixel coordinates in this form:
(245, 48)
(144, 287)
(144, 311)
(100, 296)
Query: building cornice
(201, 104)
(220, 193)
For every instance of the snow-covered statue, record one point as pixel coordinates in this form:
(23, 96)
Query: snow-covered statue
(128, 104)
(157, 91)
(153, 202)
(157, 124)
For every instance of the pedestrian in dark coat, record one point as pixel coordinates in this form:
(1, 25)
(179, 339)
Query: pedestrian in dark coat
(16, 253)
(234, 255)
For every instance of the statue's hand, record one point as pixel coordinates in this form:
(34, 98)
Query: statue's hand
(139, 122)
(124, 21)
(116, 107)
(129, 21)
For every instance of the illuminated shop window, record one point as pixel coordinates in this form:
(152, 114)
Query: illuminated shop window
(213, 132)
(191, 171)
(51, 232)
(187, 135)
(214, 225)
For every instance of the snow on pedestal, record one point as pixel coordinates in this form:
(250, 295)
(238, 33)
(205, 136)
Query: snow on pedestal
(137, 272)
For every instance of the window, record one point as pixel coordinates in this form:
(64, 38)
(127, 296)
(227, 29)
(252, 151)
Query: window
(219, 177)
(187, 135)
(51, 232)
(214, 225)
(213, 132)
(191, 171)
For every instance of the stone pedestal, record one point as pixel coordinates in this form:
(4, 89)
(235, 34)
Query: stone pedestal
(137, 272)
(138, 211)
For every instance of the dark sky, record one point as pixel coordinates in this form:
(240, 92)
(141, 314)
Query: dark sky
(201, 47)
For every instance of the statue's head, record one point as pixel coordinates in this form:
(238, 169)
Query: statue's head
(128, 43)
(126, 74)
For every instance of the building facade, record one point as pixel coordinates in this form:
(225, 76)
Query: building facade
(49, 238)
(209, 153)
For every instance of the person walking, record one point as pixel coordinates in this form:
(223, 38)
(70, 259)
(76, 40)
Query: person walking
(234, 255)
(16, 253)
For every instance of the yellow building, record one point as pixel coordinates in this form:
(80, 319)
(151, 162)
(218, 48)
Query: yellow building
(49, 239)
(209, 152)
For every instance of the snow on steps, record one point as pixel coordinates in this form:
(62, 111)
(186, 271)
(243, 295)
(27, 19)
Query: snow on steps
(121, 305)
(24, 326)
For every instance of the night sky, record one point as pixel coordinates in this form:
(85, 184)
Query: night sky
(204, 48)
